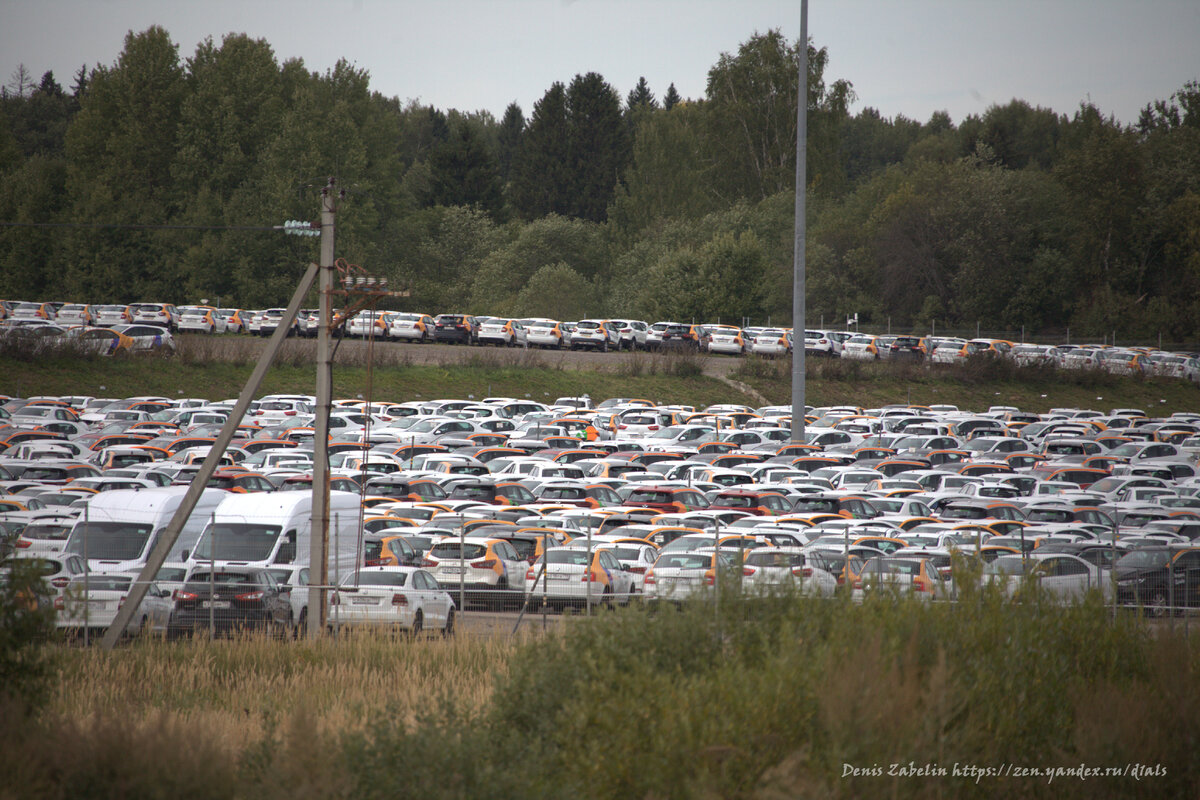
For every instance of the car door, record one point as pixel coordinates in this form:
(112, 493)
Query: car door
(435, 602)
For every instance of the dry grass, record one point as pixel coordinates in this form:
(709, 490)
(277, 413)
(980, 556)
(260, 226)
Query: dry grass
(237, 692)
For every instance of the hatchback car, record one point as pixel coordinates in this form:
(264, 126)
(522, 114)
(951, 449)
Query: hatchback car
(485, 570)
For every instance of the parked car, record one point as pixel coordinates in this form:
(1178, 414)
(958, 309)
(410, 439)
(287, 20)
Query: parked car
(455, 329)
(231, 599)
(571, 574)
(163, 315)
(402, 598)
(594, 334)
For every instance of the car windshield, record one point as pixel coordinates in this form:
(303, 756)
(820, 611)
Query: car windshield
(1143, 559)
(109, 541)
(237, 542)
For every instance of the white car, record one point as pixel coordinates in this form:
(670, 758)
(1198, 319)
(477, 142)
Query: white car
(637, 559)
(681, 575)
(503, 332)
(779, 569)
(1061, 576)
(148, 338)
(200, 319)
(861, 347)
(92, 602)
(572, 574)
(727, 340)
(594, 334)
(107, 316)
(822, 343)
(544, 333)
(631, 333)
(772, 342)
(161, 314)
(404, 598)
(411, 327)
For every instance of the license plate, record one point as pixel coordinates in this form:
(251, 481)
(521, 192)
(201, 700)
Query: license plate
(452, 570)
(363, 601)
(216, 604)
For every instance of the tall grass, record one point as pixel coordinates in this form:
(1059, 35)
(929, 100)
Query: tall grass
(763, 699)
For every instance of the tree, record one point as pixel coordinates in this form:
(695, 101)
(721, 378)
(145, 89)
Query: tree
(512, 128)
(751, 111)
(464, 172)
(558, 292)
(671, 98)
(640, 97)
(540, 180)
(598, 145)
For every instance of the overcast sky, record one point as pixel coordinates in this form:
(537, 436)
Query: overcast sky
(910, 57)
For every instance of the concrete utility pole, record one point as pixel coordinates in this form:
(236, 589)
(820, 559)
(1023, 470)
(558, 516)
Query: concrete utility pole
(318, 568)
(798, 315)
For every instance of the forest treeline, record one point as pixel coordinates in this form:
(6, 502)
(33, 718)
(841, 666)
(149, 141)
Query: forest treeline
(598, 203)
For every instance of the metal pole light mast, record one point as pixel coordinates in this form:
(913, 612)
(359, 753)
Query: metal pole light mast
(798, 318)
(318, 567)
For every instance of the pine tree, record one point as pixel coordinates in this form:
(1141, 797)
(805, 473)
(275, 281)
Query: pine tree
(512, 128)
(640, 96)
(672, 98)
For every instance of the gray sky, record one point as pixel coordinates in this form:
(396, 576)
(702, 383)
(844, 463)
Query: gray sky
(910, 57)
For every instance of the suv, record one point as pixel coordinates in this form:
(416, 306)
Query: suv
(631, 333)
(594, 334)
(162, 314)
(455, 329)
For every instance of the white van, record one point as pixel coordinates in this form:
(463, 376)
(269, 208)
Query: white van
(265, 529)
(118, 529)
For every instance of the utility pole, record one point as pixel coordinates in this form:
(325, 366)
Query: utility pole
(318, 567)
(798, 311)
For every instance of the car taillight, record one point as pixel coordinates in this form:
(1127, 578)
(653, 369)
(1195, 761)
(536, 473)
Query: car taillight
(399, 599)
(179, 594)
(589, 575)
(650, 579)
(857, 584)
(805, 572)
(651, 427)
(710, 578)
(636, 570)
(428, 562)
(530, 574)
(487, 563)
(59, 603)
(922, 585)
(289, 413)
(22, 542)
(59, 583)
(376, 562)
(249, 596)
(748, 571)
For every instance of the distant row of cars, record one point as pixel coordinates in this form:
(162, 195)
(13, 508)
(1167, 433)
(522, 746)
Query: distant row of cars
(603, 335)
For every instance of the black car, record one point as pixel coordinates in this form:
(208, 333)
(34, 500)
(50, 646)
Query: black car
(1159, 579)
(230, 599)
(907, 348)
(455, 329)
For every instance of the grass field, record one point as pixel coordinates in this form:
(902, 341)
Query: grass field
(766, 699)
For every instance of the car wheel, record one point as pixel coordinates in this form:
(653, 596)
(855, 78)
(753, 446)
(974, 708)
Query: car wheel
(417, 624)
(604, 347)
(448, 631)
(1157, 606)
